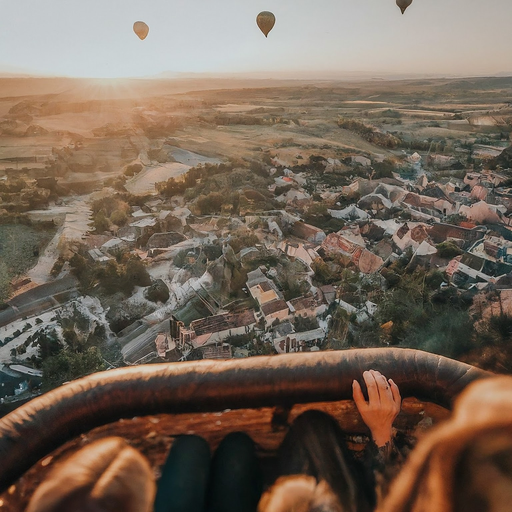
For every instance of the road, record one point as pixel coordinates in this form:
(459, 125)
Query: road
(39, 299)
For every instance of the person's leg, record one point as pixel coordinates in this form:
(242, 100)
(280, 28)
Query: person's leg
(315, 446)
(235, 483)
(184, 481)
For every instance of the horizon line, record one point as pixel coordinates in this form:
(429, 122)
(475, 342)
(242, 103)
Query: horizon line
(263, 75)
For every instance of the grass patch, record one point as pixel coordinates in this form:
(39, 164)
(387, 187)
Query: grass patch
(20, 246)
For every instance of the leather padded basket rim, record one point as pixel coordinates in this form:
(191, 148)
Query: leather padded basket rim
(37, 428)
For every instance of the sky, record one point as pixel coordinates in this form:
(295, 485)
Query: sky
(311, 38)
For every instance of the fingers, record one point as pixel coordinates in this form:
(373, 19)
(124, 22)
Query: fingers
(371, 385)
(396, 392)
(382, 386)
(358, 396)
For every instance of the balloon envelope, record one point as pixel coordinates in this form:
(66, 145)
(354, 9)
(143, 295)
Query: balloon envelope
(265, 21)
(403, 4)
(141, 29)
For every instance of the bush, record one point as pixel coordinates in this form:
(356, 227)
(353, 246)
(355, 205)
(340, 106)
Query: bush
(132, 169)
(211, 203)
(448, 249)
(135, 274)
(243, 240)
(302, 324)
(101, 223)
(157, 292)
(119, 218)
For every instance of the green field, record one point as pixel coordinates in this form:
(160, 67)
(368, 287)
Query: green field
(18, 251)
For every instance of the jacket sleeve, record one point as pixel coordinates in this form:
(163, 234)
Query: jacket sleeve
(383, 463)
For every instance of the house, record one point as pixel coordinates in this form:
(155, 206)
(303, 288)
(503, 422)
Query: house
(98, 257)
(423, 255)
(217, 351)
(367, 262)
(328, 292)
(353, 233)
(352, 213)
(282, 329)
(338, 244)
(165, 240)
(141, 214)
(303, 307)
(129, 234)
(440, 232)
(274, 228)
(275, 310)
(114, 245)
(255, 276)
(299, 341)
(411, 234)
(472, 179)
(308, 232)
(293, 196)
(167, 348)
(298, 251)
(170, 222)
(375, 202)
(264, 292)
(392, 192)
(362, 314)
(483, 213)
(222, 326)
(479, 193)
(436, 206)
(462, 274)
(144, 224)
(361, 160)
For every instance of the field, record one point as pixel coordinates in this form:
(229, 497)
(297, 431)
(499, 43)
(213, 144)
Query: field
(19, 251)
(110, 124)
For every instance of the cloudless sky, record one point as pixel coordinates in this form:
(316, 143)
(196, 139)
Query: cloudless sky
(325, 37)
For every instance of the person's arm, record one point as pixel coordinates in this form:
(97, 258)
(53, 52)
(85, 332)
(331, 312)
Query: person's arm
(382, 459)
(381, 409)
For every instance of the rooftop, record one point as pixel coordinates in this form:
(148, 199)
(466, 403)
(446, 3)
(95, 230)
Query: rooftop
(223, 322)
(274, 306)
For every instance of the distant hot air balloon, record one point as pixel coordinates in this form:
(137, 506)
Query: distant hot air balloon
(266, 21)
(403, 4)
(141, 29)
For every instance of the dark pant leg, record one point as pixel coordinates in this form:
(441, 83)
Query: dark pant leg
(315, 446)
(235, 482)
(184, 481)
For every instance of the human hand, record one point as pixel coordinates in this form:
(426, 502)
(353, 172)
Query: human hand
(383, 406)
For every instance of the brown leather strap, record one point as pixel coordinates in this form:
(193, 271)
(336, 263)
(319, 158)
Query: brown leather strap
(37, 428)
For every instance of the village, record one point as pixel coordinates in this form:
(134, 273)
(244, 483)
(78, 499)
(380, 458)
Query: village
(179, 256)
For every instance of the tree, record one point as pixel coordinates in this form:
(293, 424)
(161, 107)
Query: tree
(68, 365)
(324, 274)
(241, 240)
(101, 223)
(49, 343)
(136, 274)
(211, 203)
(448, 249)
(119, 218)
(302, 324)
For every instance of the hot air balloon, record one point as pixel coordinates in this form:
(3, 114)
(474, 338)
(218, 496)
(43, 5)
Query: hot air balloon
(265, 21)
(403, 4)
(141, 29)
